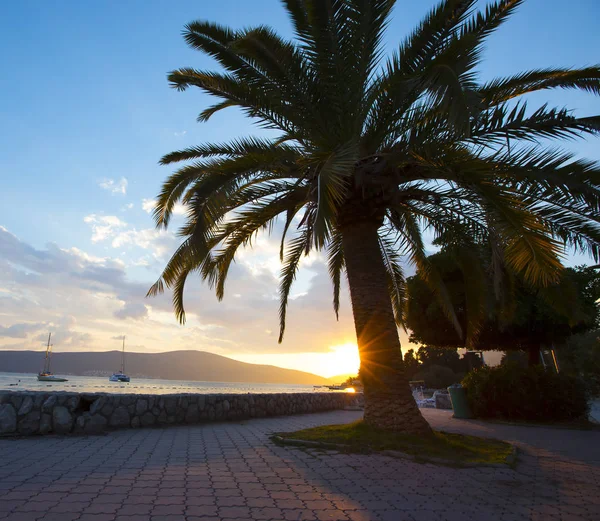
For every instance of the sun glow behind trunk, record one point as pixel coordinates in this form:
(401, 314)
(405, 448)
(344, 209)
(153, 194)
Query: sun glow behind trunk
(343, 359)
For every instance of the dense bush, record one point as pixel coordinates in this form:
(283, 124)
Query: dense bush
(437, 376)
(581, 357)
(516, 393)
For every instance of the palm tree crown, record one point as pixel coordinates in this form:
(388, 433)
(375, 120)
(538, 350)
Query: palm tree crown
(409, 142)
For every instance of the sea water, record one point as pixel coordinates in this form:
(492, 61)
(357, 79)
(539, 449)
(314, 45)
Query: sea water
(96, 384)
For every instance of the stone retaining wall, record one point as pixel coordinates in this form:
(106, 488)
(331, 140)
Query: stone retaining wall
(27, 413)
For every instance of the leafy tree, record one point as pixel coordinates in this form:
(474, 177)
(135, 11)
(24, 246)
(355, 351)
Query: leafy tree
(449, 358)
(439, 367)
(580, 356)
(351, 381)
(529, 319)
(411, 364)
(365, 152)
(437, 376)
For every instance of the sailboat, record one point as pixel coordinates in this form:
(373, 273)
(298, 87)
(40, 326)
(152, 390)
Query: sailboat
(46, 375)
(121, 376)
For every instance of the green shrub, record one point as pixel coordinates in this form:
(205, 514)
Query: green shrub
(516, 393)
(437, 376)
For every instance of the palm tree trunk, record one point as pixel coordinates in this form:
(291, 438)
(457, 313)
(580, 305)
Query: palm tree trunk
(389, 403)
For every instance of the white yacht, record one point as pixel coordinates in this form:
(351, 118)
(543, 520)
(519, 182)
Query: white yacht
(46, 375)
(121, 376)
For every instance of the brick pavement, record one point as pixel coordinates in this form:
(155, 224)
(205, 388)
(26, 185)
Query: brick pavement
(232, 472)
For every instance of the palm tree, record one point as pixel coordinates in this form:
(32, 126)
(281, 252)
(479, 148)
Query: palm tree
(371, 151)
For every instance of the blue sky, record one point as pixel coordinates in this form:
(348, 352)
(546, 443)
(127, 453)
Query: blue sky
(87, 112)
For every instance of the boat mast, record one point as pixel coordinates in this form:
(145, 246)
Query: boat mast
(47, 360)
(123, 357)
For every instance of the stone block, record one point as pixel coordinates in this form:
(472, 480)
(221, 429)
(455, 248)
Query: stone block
(30, 423)
(141, 406)
(26, 406)
(49, 403)
(8, 419)
(192, 414)
(45, 423)
(148, 419)
(97, 405)
(95, 424)
(170, 405)
(120, 417)
(80, 423)
(73, 403)
(62, 421)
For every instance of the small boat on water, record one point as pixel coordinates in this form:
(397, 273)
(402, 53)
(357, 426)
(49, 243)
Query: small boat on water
(46, 375)
(121, 376)
(330, 387)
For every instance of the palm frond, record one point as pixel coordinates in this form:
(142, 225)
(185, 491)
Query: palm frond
(297, 248)
(336, 264)
(332, 185)
(500, 90)
(505, 122)
(395, 276)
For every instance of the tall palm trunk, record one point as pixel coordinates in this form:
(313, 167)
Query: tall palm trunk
(389, 403)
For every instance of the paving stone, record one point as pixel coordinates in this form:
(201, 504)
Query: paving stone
(235, 512)
(232, 472)
(230, 501)
(24, 516)
(60, 516)
(167, 510)
(201, 511)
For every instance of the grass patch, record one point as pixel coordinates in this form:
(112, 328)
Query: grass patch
(454, 448)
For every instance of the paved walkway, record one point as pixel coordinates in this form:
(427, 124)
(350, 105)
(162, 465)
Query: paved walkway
(232, 472)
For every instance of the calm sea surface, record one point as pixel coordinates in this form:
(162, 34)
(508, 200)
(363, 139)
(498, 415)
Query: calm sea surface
(95, 384)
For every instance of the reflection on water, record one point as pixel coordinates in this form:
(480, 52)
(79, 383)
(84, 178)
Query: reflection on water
(95, 384)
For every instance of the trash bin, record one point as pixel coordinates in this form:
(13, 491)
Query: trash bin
(460, 405)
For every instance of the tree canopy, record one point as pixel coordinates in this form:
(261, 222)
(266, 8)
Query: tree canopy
(524, 317)
(415, 139)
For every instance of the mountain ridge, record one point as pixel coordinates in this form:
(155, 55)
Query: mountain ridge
(187, 365)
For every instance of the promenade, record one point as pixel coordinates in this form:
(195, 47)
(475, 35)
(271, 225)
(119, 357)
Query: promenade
(231, 471)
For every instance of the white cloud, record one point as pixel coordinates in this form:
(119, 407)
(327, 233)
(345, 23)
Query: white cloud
(134, 310)
(180, 134)
(142, 261)
(148, 206)
(128, 206)
(103, 226)
(21, 330)
(160, 242)
(115, 187)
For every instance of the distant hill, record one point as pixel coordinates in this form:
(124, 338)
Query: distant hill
(175, 365)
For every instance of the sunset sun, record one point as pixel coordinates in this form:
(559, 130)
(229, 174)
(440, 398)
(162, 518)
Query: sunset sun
(343, 359)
